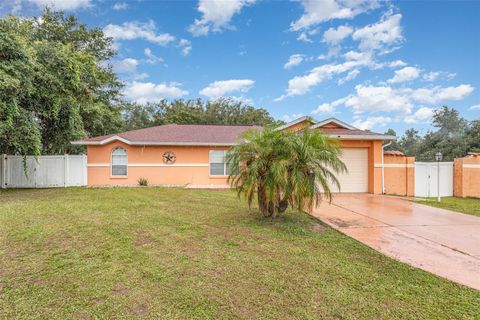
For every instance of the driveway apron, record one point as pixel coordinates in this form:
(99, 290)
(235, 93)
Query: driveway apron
(440, 241)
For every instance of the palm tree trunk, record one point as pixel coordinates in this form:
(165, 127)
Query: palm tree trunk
(263, 204)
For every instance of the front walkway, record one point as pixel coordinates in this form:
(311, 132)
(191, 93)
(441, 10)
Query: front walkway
(440, 241)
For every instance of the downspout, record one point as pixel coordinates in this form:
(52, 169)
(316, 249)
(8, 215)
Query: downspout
(383, 166)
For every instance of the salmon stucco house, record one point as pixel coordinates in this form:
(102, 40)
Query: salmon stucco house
(194, 155)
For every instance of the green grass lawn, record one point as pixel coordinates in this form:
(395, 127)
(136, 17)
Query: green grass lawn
(465, 205)
(81, 253)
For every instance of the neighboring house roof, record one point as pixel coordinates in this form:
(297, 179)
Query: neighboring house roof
(393, 153)
(336, 122)
(296, 121)
(338, 129)
(175, 134)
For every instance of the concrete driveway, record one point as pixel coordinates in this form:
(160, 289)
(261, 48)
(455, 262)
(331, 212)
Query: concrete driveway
(440, 241)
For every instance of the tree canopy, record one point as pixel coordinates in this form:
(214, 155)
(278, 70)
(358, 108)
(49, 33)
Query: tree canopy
(56, 85)
(224, 111)
(454, 137)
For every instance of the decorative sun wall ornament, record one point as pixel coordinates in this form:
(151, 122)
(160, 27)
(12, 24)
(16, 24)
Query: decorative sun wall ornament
(169, 157)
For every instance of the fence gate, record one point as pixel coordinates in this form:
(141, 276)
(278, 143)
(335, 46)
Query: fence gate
(43, 171)
(426, 179)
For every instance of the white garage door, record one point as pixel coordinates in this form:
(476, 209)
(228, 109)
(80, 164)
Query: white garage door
(356, 180)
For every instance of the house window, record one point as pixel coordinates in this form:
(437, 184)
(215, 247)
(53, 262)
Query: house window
(119, 162)
(218, 164)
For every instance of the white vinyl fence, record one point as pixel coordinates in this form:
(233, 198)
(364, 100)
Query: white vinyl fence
(43, 172)
(426, 179)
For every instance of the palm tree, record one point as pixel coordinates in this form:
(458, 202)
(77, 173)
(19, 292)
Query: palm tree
(282, 169)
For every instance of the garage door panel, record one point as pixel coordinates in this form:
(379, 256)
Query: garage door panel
(356, 179)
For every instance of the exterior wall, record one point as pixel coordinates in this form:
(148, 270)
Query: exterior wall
(399, 175)
(191, 166)
(374, 161)
(466, 177)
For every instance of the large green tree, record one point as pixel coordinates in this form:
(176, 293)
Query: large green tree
(449, 138)
(453, 136)
(473, 136)
(220, 111)
(280, 169)
(394, 145)
(55, 84)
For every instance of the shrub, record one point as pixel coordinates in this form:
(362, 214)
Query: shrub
(142, 182)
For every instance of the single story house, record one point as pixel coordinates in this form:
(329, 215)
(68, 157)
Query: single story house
(194, 155)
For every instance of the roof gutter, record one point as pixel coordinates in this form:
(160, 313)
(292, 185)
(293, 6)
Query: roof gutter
(362, 137)
(152, 143)
(224, 144)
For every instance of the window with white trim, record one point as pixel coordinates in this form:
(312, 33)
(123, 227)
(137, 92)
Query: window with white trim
(119, 162)
(218, 164)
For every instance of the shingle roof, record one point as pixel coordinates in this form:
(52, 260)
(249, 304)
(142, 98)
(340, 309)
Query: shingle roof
(338, 129)
(177, 134)
(393, 153)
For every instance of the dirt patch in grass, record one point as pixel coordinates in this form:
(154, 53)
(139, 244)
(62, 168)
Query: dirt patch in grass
(142, 240)
(139, 310)
(120, 290)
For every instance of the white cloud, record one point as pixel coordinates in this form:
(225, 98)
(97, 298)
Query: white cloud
(216, 15)
(371, 122)
(144, 92)
(152, 59)
(422, 115)
(450, 93)
(128, 65)
(334, 36)
(405, 74)
(350, 76)
(136, 30)
(305, 35)
(185, 46)
(377, 99)
(294, 60)
(62, 4)
(300, 85)
(324, 108)
(475, 107)
(356, 55)
(328, 108)
(431, 76)
(434, 75)
(369, 98)
(140, 76)
(397, 63)
(381, 35)
(120, 6)
(316, 12)
(221, 88)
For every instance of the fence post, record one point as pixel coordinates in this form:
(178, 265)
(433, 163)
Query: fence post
(85, 170)
(65, 171)
(3, 174)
